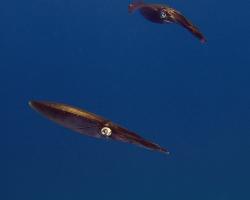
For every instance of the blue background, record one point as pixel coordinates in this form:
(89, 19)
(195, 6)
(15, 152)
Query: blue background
(157, 80)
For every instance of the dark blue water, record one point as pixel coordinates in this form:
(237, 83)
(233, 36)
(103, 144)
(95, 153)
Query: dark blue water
(157, 80)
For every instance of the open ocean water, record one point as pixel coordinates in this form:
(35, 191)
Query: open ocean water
(157, 80)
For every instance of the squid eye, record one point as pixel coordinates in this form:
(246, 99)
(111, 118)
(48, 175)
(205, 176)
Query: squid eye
(106, 131)
(163, 15)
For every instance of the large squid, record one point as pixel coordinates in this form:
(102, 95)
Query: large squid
(87, 123)
(163, 14)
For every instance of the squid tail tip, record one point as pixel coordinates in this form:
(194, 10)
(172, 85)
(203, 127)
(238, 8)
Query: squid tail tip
(203, 40)
(165, 151)
(134, 5)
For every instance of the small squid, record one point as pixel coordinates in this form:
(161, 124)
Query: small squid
(90, 124)
(163, 14)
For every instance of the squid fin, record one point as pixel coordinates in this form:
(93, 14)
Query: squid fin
(135, 5)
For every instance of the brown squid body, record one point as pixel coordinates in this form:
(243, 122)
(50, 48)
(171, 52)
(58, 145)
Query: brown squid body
(162, 14)
(87, 123)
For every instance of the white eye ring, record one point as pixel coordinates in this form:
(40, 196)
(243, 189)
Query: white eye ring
(163, 15)
(106, 131)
